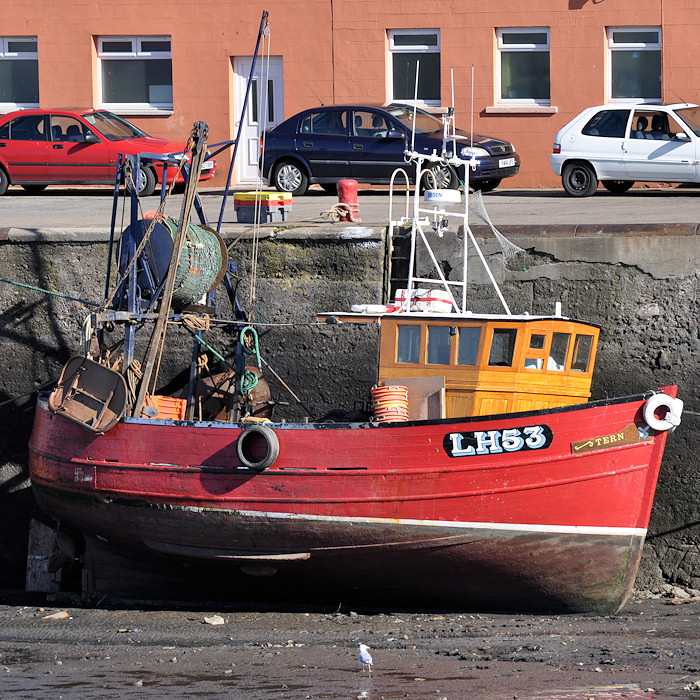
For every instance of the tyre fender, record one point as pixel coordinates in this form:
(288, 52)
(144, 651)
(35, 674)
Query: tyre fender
(257, 447)
(672, 419)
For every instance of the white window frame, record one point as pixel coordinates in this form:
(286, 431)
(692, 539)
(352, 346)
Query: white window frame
(22, 56)
(414, 48)
(519, 48)
(638, 46)
(137, 52)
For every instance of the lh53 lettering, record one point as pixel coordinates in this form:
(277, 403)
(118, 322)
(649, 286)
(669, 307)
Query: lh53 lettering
(490, 442)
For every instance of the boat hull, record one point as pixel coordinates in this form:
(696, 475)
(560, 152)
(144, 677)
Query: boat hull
(536, 511)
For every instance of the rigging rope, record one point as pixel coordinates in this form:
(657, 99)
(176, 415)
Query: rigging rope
(48, 291)
(250, 347)
(262, 124)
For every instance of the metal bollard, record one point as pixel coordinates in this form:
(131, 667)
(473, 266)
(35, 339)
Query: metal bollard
(347, 199)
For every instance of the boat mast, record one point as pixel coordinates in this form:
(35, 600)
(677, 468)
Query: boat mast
(196, 147)
(439, 214)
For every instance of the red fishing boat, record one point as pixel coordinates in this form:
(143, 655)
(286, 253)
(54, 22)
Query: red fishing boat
(483, 479)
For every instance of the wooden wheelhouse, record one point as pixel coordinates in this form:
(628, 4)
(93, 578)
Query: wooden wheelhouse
(460, 366)
(491, 365)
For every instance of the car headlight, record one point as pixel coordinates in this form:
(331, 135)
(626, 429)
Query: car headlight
(473, 152)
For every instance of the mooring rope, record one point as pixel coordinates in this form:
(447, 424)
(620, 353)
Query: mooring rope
(48, 291)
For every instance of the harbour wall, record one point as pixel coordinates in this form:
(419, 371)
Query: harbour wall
(639, 283)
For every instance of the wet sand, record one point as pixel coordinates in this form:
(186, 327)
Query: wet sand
(649, 650)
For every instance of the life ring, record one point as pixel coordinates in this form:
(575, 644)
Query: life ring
(257, 447)
(672, 419)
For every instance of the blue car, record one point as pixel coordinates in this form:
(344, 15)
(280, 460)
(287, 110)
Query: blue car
(326, 144)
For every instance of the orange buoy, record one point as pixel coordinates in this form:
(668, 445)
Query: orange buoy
(390, 404)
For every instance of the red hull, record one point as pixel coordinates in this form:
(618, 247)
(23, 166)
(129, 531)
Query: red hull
(538, 510)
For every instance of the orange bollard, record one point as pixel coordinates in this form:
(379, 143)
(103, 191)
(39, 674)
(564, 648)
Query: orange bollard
(347, 195)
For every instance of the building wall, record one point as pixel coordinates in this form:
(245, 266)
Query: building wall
(337, 52)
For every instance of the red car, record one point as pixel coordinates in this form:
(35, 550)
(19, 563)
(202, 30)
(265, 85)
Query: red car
(40, 147)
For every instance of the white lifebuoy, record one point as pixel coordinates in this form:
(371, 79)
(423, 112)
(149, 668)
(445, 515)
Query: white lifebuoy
(672, 419)
(257, 447)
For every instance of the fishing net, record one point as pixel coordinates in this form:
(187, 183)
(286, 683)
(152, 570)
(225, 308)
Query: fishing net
(514, 256)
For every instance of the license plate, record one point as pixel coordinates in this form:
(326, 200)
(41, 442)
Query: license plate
(208, 165)
(506, 163)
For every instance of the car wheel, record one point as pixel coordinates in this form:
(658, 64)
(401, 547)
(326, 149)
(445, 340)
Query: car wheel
(617, 186)
(146, 181)
(579, 179)
(329, 187)
(4, 182)
(33, 189)
(444, 178)
(289, 177)
(487, 185)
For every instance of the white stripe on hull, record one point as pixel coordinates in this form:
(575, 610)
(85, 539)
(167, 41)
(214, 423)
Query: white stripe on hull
(459, 525)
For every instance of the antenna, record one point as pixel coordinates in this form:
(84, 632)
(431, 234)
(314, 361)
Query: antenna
(452, 88)
(308, 84)
(415, 102)
(471, 134)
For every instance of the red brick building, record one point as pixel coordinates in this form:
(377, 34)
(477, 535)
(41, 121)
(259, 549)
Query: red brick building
(518, 70)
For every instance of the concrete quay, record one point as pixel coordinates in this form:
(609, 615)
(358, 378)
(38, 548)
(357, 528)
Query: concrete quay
(85, 211)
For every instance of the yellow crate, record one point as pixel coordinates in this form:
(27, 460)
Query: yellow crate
(263, 197)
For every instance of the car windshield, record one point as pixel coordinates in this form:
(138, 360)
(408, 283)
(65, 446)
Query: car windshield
(425, 123)
(691, 116)
(113, 127)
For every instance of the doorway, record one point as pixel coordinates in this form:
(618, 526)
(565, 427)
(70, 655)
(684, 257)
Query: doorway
(265, 110)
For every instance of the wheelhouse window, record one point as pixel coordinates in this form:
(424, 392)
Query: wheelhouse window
(583, 344)
(502, 347)
(408, 346)
(439, 345)
(411, 50)
(19, 73)
(523, 66)
(468, 345)
(634, 56)
(136, 73)
(557, 352)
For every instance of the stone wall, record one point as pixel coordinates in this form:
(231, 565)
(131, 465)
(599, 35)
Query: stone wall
(640, 287)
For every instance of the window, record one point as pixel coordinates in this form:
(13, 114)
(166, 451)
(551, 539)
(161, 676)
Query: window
(557, 353)
(19, 72)
(30, 127)
(523, 66)
(582, 353)
(439, 345)
(67, 129)
(634, 55)
(610, 123)
(502, 347)
(330, 123)
(468, 345)
(135, 73)
(411, 50)
(408, 349)
(369, 124)
(537, 341)
(653, 125)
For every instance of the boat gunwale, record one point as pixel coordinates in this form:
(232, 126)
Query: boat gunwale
(42, 402)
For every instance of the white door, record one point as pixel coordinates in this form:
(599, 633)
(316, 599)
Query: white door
(265, 109)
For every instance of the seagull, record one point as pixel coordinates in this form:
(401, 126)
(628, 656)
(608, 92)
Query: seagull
(365, 657)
